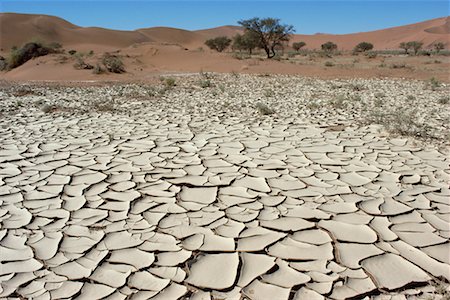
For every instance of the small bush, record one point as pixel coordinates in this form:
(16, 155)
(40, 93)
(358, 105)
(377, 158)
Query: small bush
(170, 82)
(433, 83)
(29, 51)
(3, 64)
(219, 43)
(263, 109)
(371, 55)
(329, 47)
(444, 100)
(98, 69)
(298, 45)
(363, 47)
(113, 63)
(72, 52)
(329, 64)
(205, 83)
(80, 64)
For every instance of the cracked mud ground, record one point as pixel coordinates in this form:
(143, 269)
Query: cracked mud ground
(156, 200)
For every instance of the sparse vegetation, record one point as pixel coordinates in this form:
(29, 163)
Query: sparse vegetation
(98, 69)
(329, 47)
(438, 47)
(219, 43)
(444, 100)
(169, 82)
(72, 52)
(363, 47)
(263, 109)
(415, 46)
(81, 64)
(113, 63)
(29, 51)
(269, 32)
(298, 45)
(433, 83)
(329, 64)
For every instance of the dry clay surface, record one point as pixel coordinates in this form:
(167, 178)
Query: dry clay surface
(137, 192)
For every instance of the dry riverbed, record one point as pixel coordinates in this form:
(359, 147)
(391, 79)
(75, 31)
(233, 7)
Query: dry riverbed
(212, 186)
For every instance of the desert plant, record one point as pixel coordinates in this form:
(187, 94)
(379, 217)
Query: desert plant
(329, 47)
(72, 52)
(113, 63)
(404, 46)
(3, 63)
(298, 45)
(438, 46)
(363, 47)
(219, 43)
(444, 100)
(263, 109)
(169, 82)
(329, 64)
(98, 69)
(269, 32)
(415, 46)
(433, 83)
(247, 42)
(28, 51)
(80, 64)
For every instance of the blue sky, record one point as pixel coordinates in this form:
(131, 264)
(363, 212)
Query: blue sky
(338, 16)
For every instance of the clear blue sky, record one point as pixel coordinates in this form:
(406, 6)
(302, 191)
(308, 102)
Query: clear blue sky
(338, 16)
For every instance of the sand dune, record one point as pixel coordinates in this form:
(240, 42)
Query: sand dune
(17, 29)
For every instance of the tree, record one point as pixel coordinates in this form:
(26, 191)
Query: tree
(404, 46)
(297, 46)
(363, 47)
(247, 41)
(329, 47)
(269, 31)
(219, 43)
(439, 46)
(415, 45)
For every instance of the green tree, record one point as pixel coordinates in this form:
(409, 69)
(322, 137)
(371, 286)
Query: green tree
(404, 46)
(219, 43)
(363, 47)
(298, 45)
(329, 47)
(438, 46)
(247, 41)
(415, 45)
(270, 33)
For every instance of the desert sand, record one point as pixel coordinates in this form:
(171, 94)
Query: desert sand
(160, 50)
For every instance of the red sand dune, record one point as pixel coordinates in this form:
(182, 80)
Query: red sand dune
(17, 29)
(150, 51)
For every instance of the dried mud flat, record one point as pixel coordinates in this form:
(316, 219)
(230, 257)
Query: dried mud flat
(191, 192)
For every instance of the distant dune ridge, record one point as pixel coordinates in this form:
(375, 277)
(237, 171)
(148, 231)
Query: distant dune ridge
(17, 29)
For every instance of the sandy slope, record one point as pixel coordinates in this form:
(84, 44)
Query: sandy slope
(150, 51)
(17, 29)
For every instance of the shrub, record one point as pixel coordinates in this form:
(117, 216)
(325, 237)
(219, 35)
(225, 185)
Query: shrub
(219, 43)
(30, 50)
(444, 100)
(404, 46)
(298, 45)
(80, 64)
(363, 47)
(263, 109)
(3, 63)
(329, 64)
(371, 55)
(98, 69)
(438, 46)
(113, 63)
(329, 47)
(72, 52)
(434, 83)
(170, 82)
